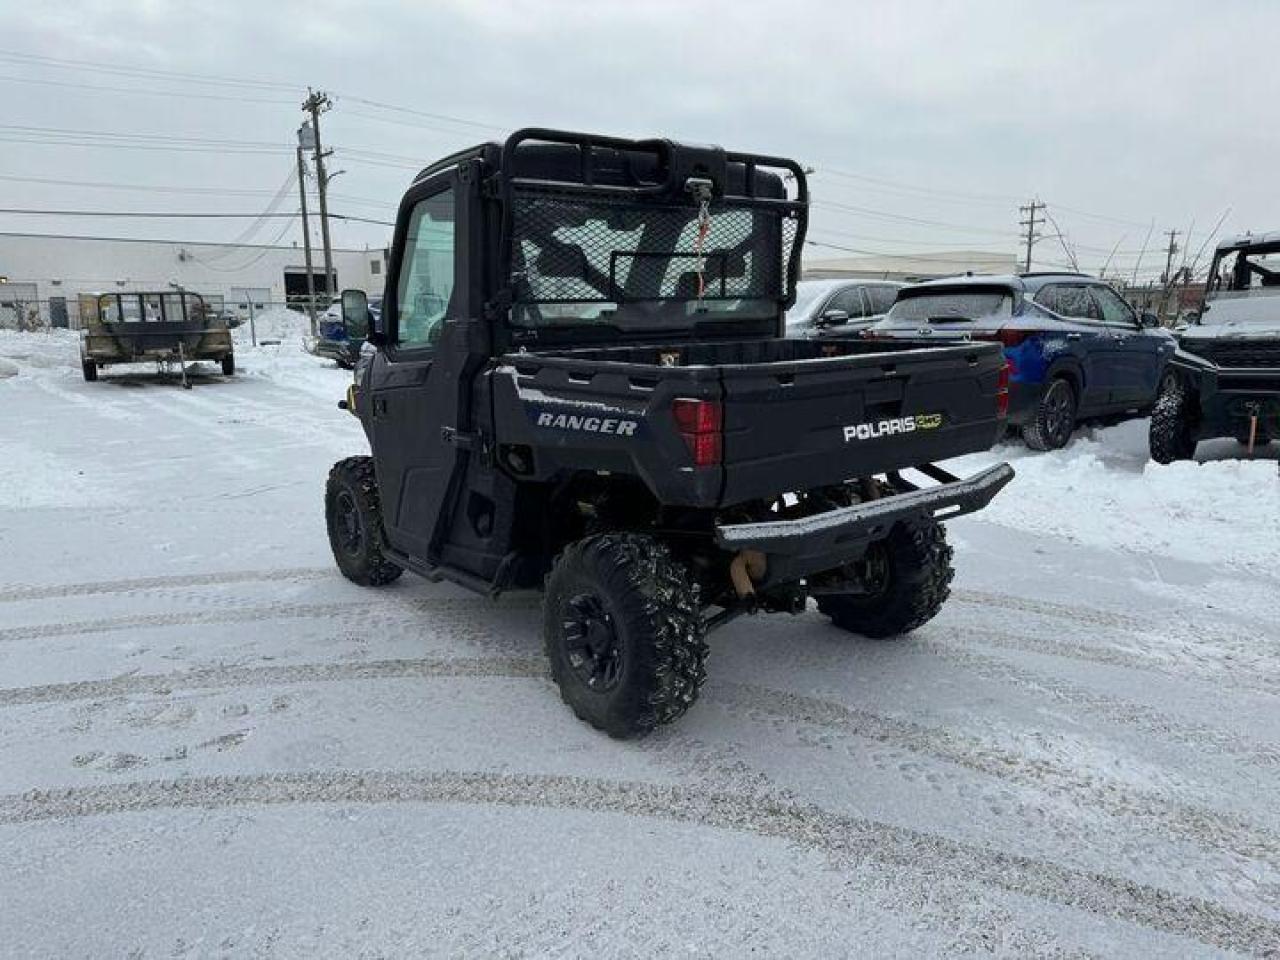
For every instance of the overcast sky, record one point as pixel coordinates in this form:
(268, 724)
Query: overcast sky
(1115, 114)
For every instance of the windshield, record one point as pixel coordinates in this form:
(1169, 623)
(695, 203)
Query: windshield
(1244, 286)
(645, 265)
(951, 306)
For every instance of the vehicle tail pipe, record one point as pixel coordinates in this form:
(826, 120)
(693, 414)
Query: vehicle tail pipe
(746, 570)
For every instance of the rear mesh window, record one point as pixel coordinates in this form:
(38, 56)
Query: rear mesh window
(567, 250)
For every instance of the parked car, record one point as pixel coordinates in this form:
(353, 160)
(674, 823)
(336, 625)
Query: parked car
(838, 307)
(1076, 349)
(334, 341)
(1225, 378)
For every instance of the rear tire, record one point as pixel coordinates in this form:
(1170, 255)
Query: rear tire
(1055, 417)
(909, 578)
(624, 633)
(90, 370)
(353, 514)
(1172, 434)
(229, 365)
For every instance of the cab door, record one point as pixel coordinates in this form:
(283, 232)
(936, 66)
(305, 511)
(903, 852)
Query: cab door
(1138, 358)
(414, 377)
(1078, 326)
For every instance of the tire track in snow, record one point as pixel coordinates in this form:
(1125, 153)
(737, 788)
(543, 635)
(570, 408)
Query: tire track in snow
(41, 592)
(222, 678)
(849, 841)
(244, 614)
(1241, 649)
(1204, 827)
(1114, 710)
(1252, 677)
(1208, 828)
(1080, 614)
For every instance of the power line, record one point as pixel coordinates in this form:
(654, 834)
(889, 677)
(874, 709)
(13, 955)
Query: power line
(411, 111)
(140, 214)
(150, 72)
(985, 198)
(182, 94)
(900, 218)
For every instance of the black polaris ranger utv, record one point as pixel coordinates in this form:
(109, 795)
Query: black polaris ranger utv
(581, 384)
(1226, 371)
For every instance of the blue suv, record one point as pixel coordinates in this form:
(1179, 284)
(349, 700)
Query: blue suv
(1075, 348)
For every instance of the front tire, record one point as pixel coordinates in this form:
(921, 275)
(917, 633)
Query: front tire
(229, 365)
(907, 577)
(1172, 434)
(90, 370)
(353, 514)
(624, 633)
(1055, 417)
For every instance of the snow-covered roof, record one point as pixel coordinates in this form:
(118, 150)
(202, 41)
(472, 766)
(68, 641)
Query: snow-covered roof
(1249, 239)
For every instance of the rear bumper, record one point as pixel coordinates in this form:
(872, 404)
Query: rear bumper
(808, 545)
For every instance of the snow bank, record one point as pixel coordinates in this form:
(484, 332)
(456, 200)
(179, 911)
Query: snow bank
(278, 323)
(1104, 491)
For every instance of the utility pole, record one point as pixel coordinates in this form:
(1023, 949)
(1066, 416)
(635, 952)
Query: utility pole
(1167, 280)
(1168, 261)
(318, 102)
(305, 143)
(304, 140)
(1031, 209)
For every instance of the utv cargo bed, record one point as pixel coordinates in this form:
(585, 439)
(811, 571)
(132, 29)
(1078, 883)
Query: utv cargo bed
(826, 412)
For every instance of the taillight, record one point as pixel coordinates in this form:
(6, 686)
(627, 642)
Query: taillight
(700, 423)
(1007, 336)
(1002, 392)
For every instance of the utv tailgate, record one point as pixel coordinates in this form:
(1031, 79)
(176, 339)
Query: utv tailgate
(824, 422)
(807, 545)
(795, 415)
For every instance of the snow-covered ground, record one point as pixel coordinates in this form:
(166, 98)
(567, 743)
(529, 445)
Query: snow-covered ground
(212, 744)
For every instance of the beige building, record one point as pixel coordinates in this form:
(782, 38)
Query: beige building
(909, 267)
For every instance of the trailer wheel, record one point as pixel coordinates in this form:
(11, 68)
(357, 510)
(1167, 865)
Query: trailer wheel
(907, 578)
(1055, 417)
(624, 633)
(1172, 434)
(229, 365)
(353, 514)
(90, 369)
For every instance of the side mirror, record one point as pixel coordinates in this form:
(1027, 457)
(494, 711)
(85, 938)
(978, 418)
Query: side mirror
(355, 314)
(832, 318)
(1149, 319)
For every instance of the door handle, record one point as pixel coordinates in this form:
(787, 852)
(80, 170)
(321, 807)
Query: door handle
(1073, 336)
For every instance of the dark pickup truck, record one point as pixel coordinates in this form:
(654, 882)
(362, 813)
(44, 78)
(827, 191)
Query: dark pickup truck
(580, 383)
(1225, 376)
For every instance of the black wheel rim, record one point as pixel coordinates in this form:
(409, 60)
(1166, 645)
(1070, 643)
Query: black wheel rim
(347, 525)
(1058, 418)
(590, 643)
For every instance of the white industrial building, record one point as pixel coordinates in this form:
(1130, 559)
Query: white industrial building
(910, 267)
(42, 276)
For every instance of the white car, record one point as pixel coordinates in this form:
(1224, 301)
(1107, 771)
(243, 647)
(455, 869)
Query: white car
(838, 307)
